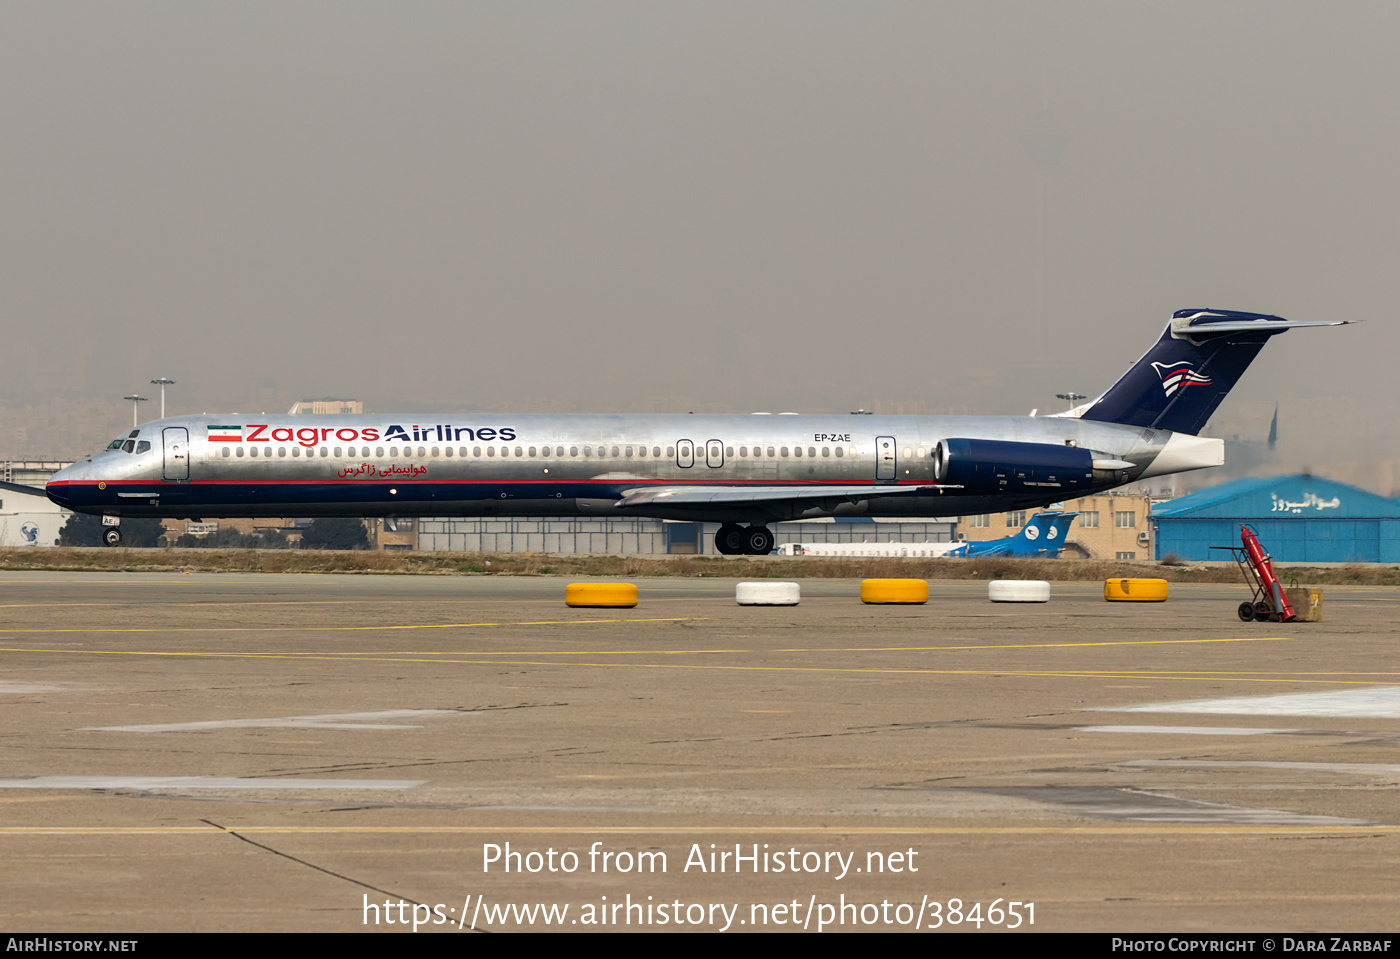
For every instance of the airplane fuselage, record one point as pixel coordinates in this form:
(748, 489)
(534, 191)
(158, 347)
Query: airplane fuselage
(232, 465)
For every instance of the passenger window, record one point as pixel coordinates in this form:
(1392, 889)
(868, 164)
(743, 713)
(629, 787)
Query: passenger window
(656, 451)
(573, 450)
(811, 451)
(421, 452)
(436, 451)
(226, 451)
(296, 451)
(519, 451)
(743, 451)
(826, 451)
(505, 450)
(490, 451)
(238, 452)
(840, 451)
(544, 450)
(629, 452)
(325, 452)
(615, 452)
(670, 452)
(281, 451)
(770, 451)
(796, 451)
(784, 451)
(252, 451)
(532, 452)
(476, 451)
(729, 451)
(337, 452)
(558, 451)
(588, 451)
(448, 451)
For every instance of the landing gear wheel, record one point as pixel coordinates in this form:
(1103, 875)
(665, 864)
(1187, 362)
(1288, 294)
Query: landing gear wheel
(112, 536)
(1246, 612)
(730, 539)
(758, 541)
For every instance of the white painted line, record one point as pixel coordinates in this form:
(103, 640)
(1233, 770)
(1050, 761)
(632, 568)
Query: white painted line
(1382, 702)
(325, 721)
(20, 689)
(1187, 730)
(201, 782)
(1370, 769)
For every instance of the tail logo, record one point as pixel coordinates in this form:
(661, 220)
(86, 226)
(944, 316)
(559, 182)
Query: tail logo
(1032, 532)
(1178, 376)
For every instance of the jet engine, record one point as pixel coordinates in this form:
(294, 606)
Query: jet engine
(998, 466)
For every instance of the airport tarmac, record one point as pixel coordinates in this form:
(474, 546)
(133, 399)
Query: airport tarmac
(215, 752)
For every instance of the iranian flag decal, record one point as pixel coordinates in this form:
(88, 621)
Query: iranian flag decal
(225, 434)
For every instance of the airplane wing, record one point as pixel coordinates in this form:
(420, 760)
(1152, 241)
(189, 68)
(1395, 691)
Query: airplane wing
(739, 495)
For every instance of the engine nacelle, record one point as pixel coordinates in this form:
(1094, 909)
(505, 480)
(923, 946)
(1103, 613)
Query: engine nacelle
(998, 466)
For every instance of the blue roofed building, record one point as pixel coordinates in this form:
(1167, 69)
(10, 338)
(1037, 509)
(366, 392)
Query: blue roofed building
(1299, 519)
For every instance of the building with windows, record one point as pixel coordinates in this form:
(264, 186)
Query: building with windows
(1112, 525)
(655, 536)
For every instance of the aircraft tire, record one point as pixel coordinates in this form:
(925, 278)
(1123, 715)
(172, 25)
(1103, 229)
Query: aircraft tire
(758, 541)
(112, 536)
(1246, 612)
(605, 595)
(1130, 590)
(1018, 591)
(899, 592)
(730, 539)
(767, 594)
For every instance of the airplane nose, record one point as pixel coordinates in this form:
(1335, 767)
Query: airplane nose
(57, 487)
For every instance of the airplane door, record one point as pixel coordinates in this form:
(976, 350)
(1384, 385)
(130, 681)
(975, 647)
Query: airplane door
(714, 454)
(685, 454)
(177, 452)
(885, 458)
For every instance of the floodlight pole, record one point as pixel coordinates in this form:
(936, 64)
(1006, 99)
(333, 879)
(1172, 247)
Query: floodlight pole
(162, 382)
(136, 402)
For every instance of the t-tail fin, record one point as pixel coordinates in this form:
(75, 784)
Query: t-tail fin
(1180, 381)
(1043, 535)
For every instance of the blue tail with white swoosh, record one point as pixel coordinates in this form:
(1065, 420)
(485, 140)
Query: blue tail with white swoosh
(1179, 383)
(1043, 535)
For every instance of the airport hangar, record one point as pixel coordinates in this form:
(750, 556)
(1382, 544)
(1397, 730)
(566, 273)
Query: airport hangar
(1299, 519)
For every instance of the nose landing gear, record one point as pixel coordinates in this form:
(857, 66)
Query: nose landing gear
(112, 536)
(735, 540)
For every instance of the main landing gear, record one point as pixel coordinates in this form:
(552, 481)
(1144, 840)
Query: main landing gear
(734, 540)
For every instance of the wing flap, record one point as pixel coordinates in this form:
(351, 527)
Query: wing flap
(734, 495)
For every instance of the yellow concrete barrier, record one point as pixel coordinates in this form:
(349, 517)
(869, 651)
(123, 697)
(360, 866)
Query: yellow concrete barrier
(913, 591)
(1135, 590)
(601, 594)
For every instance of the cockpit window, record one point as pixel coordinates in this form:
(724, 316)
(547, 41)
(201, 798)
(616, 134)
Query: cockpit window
(116, 444)
(144, 446)
(134, 433)
(128, 446)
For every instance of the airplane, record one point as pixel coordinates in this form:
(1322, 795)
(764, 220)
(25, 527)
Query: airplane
(741, 471)
(1043, 535)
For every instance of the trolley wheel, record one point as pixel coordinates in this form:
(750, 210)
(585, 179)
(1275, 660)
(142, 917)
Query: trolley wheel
(1263, 612)
(1246, 612)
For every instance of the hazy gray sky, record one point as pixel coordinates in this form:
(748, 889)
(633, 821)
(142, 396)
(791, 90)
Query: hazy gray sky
(663, 206)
